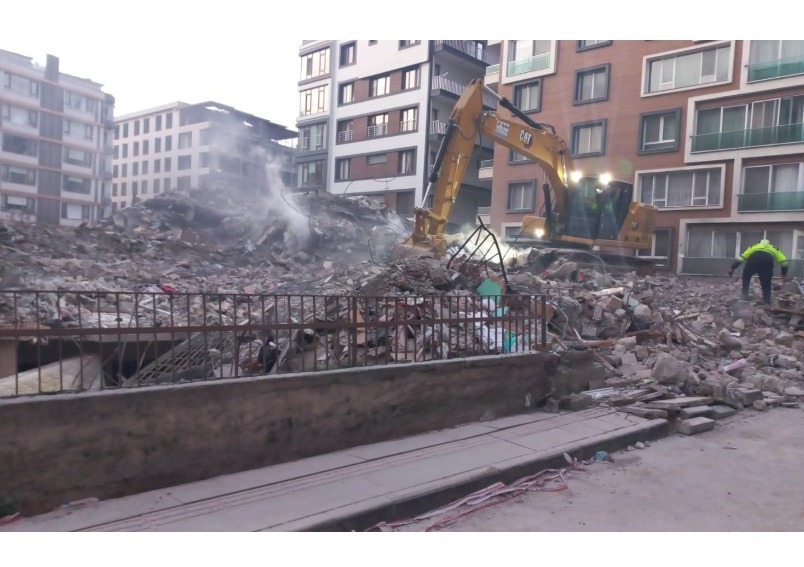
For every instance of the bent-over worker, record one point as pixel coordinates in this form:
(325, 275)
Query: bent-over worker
(759, 260)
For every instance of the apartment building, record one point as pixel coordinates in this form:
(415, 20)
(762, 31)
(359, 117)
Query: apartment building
(710, 132)
(55, 143)
(208, 145)
(372, 114)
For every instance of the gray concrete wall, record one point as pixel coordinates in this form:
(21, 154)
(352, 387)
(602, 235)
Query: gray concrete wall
(108, 444)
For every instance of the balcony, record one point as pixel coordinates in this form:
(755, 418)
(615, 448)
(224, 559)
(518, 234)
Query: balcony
(470, 48)
(492, 74)
(775, 69)
(438, 127)
(377, 130)
(441, 83)
(407, 126)
(784, 134)
(486, 170)
(535, 63)
(345, 136)
(762, 202)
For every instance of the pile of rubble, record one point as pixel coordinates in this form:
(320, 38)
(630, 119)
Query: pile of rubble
(659, 337)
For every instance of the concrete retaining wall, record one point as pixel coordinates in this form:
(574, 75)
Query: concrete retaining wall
(108, 444)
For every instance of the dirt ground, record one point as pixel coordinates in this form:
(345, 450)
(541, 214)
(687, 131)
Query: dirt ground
(743, 476)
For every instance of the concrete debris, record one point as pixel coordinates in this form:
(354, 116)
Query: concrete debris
(657, 336)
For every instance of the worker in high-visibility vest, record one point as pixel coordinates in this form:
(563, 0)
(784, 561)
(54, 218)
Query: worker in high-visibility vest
(759, 259)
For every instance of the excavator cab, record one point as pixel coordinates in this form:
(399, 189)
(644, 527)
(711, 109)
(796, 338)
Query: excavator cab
(595, 210)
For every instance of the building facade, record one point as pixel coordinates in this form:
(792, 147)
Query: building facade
(372, 114)
(208, 145)
(55, 143)
(710, 132)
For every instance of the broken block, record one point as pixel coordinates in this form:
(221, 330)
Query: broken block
(698, 411)
(720, 411)
(695, 425)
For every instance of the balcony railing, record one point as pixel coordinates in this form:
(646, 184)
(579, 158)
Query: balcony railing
(535, 63)
(791, 201)
(377, 130)
(775, 69)
(438, 127)
(784, 134)
(486, 169)
(493, 69)
(345, 136)
(407, 126)
(470, 48)
(456, 88)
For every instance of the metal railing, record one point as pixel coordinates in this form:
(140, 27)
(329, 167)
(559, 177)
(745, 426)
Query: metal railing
(76, 341)
(465, 46)
(377, 130)
(345, 136)
(443, 83)
(438, 127)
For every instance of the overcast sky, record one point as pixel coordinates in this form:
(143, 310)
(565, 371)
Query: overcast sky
(147, 53)
(244, 53)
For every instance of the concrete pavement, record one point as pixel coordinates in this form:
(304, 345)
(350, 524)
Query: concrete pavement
(359, 487)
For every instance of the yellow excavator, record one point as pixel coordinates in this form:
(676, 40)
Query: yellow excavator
(580, 211)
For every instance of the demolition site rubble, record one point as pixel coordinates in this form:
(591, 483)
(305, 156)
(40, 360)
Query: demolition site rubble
(672, 346)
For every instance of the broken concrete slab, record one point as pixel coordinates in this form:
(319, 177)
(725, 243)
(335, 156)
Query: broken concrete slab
(694, 425)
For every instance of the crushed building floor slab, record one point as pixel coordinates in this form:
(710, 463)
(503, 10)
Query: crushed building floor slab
(356, 488)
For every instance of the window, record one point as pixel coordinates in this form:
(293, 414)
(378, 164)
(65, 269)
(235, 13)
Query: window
(167, 164)
(526, 55)
(584, 44)
(20, 116)
(157, 166)
(117, 132)
(114, 189)
(156, 186)
(15, 203)
(19, 145)
(408, 120)
(157, 145)
(124, 170)
(158, 122)
(185, 140)
(661, 245)
(407, 161)
(410, 78)
(75, 184)
(74, 212)
(136, 127)
(125, 150)
(778, 187)
(375, 159)
(116, 152)
(379, 86)
(21, 85)
(345, 131)
(408, 43)
(347, 54)
(592, 85)
(516, 157)
(313, 138)
(168, 142)
(311, 174)
(136, 149)
(19, 175)
(135, 168)
(314, 64)
(405, 201)
(346, 93)
(588, 138)
(659, 131)
(145, 147)
(683, 188)
(314, 101)
(204, 159)
(78, 157)
(342, 167)
(772, 58)
(527, 96)
(372, 42)
(144, 188)
(146, 125)
(123, 189)
(726, 243)
(183, 183)
(184, 162)
(521, 196)
(169, 120)
(78, 130)
(703, 66)
(116, 173)
(125, 130)
(378, 125)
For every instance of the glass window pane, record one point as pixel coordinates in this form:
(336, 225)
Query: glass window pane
(756, 179)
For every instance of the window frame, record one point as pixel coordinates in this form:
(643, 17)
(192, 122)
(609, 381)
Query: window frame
(643, 117)
(575, 131)
(406, 164)
(667, 188)
(342, 88)
(416, 71)
(343, 169)
(526, 186)
(517, 100)
(647, 89)
(350, 48)
(580, 45)
(375, 82)
(580, 74)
